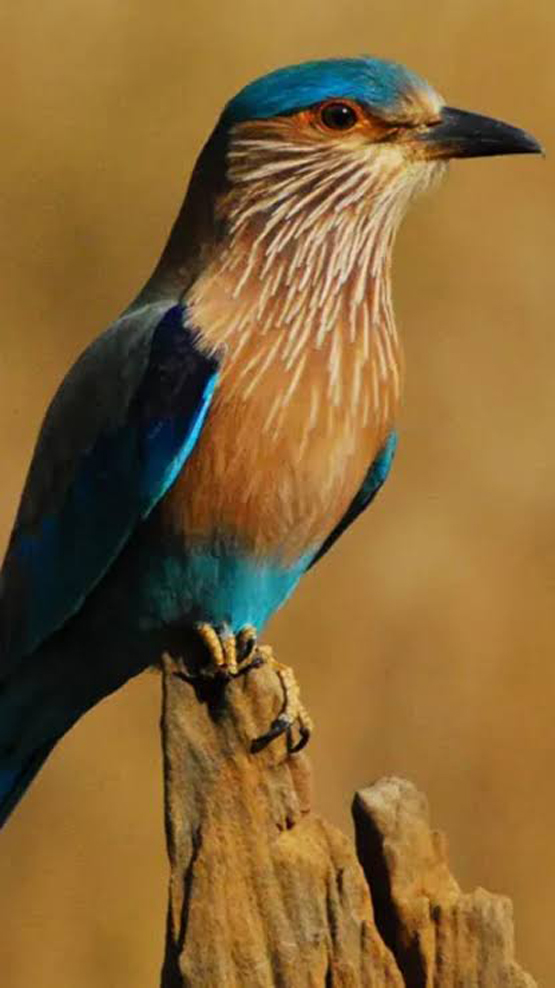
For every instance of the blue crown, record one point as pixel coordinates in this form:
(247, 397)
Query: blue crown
(374, 81)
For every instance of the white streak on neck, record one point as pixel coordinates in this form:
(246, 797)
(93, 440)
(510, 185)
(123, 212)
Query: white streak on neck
(311, 227)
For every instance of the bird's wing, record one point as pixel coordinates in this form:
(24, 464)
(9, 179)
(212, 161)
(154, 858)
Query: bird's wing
(374, 480)
(114, 439)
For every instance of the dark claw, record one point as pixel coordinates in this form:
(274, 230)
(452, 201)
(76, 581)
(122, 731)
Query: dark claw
(278, 727)
(253, 664)
(294, 747)
(248, 648)
(218, 675)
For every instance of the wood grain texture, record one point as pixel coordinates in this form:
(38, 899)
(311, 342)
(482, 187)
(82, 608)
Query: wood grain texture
(264, 893)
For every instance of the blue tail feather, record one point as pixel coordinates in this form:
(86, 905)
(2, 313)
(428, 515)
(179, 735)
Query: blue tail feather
(15, 781)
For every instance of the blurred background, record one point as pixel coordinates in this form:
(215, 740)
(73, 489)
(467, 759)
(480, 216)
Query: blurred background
(424, 643)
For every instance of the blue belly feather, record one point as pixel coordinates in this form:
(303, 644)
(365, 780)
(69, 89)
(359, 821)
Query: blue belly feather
(218, 584)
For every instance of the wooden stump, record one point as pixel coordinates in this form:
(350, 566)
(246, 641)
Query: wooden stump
(265, 893)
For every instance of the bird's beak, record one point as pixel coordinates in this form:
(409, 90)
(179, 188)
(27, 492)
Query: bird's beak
(459, 134)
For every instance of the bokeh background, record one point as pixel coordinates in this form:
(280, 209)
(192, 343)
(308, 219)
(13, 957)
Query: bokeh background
(424, 643)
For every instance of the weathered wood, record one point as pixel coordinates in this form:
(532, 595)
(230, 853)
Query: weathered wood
(440, 936)
(265, 893)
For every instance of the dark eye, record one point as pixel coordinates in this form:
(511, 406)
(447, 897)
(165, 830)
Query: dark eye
(338, 116)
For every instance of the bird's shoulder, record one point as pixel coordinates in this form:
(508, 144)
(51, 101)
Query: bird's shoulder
(96, 391)
(134, 366)
(117, 432)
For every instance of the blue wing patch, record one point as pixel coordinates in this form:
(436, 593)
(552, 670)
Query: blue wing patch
(54, 564)
(374, 480)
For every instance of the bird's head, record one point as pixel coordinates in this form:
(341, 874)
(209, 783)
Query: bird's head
(359, 128)
(296, 198)
(282, 250)
(350, 137)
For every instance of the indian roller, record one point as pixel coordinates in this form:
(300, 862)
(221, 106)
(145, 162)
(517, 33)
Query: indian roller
(212, 445)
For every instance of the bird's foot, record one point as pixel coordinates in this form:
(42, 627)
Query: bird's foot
(229, 655)
(292, 712)
(233, 655)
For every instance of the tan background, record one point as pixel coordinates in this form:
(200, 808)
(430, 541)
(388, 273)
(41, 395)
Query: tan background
(433, 620)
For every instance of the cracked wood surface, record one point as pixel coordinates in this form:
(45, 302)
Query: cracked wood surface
(265, 893)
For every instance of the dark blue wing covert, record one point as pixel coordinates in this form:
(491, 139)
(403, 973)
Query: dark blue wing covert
(53, 564)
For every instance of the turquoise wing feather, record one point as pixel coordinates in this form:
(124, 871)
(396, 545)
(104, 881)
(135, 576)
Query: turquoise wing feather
(114, 439)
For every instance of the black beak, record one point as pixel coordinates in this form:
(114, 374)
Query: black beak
(459, 134)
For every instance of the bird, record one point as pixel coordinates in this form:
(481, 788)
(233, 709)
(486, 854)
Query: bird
(211, 446)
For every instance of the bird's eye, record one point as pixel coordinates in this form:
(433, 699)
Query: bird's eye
(338, 116)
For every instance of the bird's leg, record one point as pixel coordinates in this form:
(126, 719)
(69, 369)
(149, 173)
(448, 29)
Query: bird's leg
(232, 655)
(292, 711)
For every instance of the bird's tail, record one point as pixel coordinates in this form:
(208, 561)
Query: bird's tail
(46, 692)
(33, 718)
(15, 781)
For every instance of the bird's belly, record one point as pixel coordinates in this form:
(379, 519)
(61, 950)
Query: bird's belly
(255, 500)
(232, 537)
(215, 584)
(273, 493)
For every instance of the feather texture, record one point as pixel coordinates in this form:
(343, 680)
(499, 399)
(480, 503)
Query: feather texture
(385, 85)
(215, 442)
(82, 502)
(297, 295)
